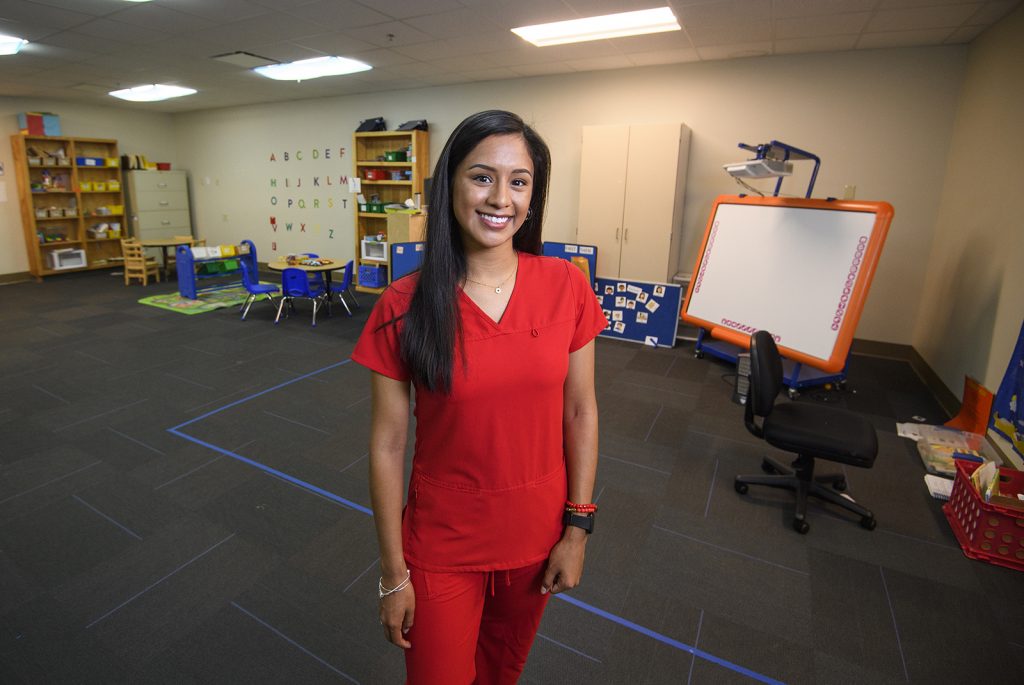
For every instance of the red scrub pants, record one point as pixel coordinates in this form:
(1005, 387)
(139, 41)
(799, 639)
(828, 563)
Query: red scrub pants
(473, 627)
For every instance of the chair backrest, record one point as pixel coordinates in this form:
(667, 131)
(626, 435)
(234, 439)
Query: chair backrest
(295, 283)
(346, 280)
(247, 280)
(765, 373)
(132, 249)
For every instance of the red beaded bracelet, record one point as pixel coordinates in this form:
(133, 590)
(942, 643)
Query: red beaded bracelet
(580, 508)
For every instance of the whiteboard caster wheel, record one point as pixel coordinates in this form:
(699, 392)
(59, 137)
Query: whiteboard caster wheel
(741, 487)
(801, 526)
(793, 393)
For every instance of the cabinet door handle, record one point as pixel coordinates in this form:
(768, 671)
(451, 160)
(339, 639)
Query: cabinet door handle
(165, 223)
(617, 233)
(161, 185)
(164, 203)
(625, 236)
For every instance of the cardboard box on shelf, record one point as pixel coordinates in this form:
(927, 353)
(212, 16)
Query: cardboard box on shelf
(405, 227)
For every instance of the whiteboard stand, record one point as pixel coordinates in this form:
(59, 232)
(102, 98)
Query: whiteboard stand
(797, 268)
(795, 376)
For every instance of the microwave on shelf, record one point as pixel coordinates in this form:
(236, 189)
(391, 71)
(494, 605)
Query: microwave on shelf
(375, 250)
(67, 258)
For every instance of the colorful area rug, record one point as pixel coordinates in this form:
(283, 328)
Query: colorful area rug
(206, 302)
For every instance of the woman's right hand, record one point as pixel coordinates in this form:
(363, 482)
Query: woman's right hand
(396, 615)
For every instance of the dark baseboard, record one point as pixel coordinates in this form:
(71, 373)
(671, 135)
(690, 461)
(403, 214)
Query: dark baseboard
(17, 277)
(946, 398)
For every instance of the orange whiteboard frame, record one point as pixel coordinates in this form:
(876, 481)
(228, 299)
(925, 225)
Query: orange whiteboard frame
(753, 255)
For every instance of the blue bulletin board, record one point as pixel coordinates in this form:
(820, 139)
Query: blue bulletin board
(641, 312)
(405, 258)
(574, 253)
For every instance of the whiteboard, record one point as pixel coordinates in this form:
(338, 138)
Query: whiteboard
(797, 268)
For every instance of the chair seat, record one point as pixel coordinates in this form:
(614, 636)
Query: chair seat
(826, 432)
(261, 288)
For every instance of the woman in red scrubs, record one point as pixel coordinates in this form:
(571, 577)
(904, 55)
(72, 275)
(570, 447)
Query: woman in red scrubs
(498, 343)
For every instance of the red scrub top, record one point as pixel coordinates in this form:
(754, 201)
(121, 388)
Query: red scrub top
(488, 483)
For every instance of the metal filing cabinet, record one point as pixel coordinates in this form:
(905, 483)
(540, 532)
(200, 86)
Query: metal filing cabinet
(158, 204)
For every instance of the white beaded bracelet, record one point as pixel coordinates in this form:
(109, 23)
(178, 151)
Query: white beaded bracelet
(382, 593)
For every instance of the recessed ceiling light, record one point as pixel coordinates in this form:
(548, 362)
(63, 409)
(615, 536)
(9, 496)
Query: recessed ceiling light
(151, 93)
(9, 45)
(312, 68)
(596, 28)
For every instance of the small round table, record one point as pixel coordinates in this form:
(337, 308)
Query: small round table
(325, 268)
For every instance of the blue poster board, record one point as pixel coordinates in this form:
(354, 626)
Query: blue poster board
(640, 312)
(571, 251)
(1007, 413)
(405, 258)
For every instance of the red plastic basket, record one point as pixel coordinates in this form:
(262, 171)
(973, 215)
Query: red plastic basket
(990, 531)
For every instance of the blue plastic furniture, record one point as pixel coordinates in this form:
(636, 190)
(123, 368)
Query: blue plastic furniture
(345, 287)
(255, 289)
(295, 283)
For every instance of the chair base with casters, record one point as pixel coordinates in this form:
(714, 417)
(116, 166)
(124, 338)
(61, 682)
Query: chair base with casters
(801, 479)
(808, 431)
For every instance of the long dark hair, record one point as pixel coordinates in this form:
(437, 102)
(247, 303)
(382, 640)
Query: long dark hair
(432, 325)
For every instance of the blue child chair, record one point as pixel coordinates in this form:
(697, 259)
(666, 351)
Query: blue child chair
(255, 288)
(345, 287)
(295, 283)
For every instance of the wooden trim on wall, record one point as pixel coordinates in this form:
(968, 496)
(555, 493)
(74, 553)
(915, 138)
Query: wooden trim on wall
(16, 277)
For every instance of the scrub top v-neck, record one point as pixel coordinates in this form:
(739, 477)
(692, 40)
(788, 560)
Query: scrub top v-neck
(488, 485)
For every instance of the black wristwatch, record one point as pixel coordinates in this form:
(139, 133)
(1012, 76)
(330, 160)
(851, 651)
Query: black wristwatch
(584, 521)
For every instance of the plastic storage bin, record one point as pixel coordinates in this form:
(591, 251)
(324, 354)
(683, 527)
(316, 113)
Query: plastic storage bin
(373, 276)
(990, 531)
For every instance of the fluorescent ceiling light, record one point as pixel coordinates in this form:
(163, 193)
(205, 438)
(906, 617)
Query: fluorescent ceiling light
(312, 68)
(597, 28)
(151, 93)
(9, 45)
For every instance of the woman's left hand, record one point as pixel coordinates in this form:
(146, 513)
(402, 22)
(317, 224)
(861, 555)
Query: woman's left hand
(565, 563)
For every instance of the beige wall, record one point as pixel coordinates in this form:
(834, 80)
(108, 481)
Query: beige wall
(880, 120)
(973, 300)
(136, 131)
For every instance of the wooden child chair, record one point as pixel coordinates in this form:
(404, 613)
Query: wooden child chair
(137, 264)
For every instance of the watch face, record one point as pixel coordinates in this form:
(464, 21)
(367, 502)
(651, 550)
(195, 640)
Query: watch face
(586, 522)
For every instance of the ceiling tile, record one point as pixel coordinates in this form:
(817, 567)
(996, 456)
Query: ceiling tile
(992, 12)
(707, 36)
(334, 44)
(601, 63)
(403, 9)
(169, 20)
(725, 13)
(542, 69)
(787, 46)
(645, 59)
(110, 30)
(948, 16)
(735, 51)
(33, 13)
(964, 34)
(217, 10)
(97, 8)
(456, 23)
(670, 40)
(903, 39)
(390, 34)
(828, 25)
(811, 8)
(340, 14)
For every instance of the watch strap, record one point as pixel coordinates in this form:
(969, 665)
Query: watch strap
(584, 521)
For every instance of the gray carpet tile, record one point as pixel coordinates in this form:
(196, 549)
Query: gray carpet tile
(184, 499)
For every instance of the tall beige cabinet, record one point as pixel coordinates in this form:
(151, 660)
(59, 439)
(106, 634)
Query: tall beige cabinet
(158, 204)
(632, 182)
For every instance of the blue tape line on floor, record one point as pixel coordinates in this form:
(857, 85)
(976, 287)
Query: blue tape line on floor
(625, 623)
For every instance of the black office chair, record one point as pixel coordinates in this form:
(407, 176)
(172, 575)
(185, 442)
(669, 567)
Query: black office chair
(810, 431)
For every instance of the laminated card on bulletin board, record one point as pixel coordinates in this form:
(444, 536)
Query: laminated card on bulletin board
(798, 268)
